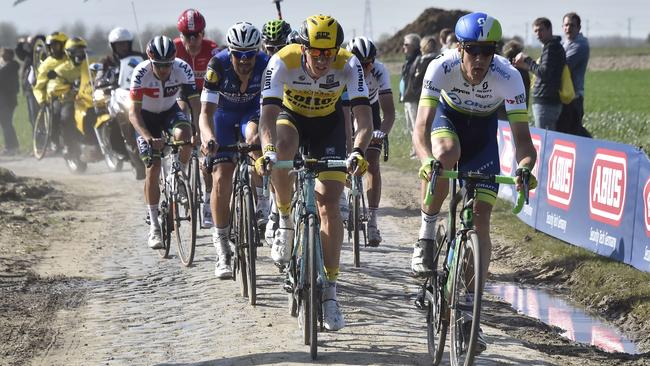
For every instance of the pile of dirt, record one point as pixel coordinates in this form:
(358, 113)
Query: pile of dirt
(430, 22)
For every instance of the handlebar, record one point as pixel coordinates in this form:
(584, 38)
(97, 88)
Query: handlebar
(437, 171)
(242, 148)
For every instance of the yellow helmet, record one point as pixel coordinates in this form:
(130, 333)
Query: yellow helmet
(321, 31)
(56, 37)
(75, 48)
(75, 42)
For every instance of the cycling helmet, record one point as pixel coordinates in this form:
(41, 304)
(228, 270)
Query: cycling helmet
(75, 48)
(161, 49)
(119, 34)
(293, 37)
(363, 48)
(56, 37)
(243, 35)
(321, 31)
(191, 21)
(478, 27)
(276, 32)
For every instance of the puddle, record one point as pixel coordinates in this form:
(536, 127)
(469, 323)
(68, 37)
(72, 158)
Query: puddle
(551, 309)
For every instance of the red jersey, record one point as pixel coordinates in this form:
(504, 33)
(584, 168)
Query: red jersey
(199, 63)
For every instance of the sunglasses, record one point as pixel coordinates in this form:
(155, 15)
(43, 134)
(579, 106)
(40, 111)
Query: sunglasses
(483, 50)
(319, 52)
(243, 54)
(191, 35)
(161, 65)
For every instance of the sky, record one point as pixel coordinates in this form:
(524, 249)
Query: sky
(599, 17)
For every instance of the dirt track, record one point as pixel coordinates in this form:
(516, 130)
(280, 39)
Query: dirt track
(113, 301)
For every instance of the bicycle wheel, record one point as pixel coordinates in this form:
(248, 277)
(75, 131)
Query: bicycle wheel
(42, 132)
(314, 293)
(437, 309)
(467, 279)
(166, 225)
(195, 186)
(184, 220)
(252, 239)
(240, 243)
(356, 228)
(304, 268)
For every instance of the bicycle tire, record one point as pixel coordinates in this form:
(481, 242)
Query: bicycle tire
(252, 239)
(437, 309)
(304, 281)
(166, 225)
(468, 249)
(42, 132)
(195, 186)
(240, 243)
(184, 221)
(314, 293)
(356, 229)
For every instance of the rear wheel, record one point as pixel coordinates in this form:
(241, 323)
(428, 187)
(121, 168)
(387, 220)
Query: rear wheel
(467, 279)
(42, 131)
(184, 221)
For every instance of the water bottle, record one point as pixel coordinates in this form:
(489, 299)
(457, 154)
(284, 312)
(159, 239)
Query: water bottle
(450, 255)
(451, 264)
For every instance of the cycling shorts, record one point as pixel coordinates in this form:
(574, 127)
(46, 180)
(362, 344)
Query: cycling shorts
(376, 125)
(321, 138)
(229, 127)
(478, 143)
(156, 123)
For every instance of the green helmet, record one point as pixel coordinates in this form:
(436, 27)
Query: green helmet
(276, 31)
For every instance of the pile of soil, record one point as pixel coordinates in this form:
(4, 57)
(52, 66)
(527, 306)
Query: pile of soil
(430, 22)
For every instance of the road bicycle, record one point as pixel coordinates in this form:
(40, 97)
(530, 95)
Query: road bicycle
(196, 188)
(305, 270)
(357, 220)
(244, 232)
(457, 269)
(177, 210)
(42, 133)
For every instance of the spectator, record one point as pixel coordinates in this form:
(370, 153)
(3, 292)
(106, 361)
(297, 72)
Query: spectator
(24, 52)
(576, 47)
(510, 50)
(8, 99)
(429, 50)
(409, 92)
(452, 41)
(442, 38)
(548, 75)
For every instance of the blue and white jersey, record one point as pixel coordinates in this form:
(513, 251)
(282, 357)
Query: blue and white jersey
(223, 87)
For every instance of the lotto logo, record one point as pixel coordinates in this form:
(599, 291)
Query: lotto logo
(561, 168)
(507, 153)
(607, 186)
(646, 206)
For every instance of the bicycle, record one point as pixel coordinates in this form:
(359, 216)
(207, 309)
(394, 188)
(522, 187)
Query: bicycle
(457, 264)
(176, 205)
(357, 220)
(244, 231)
(306, 267)
(196, 188)
(42, 133)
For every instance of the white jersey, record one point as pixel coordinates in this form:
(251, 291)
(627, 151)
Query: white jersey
(444, 80)
(378, 81)
(157, 96)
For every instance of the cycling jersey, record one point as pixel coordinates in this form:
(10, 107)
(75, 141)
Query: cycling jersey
(443, 80)
(198, 63)
(286, 82)
(223, 87)
(43, 86)
(157, 96)
(378, 81)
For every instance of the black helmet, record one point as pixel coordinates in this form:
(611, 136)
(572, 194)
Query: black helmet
(161, 49)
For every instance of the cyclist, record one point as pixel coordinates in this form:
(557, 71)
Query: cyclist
(461, 93)
(197, 51)
(275, 35)
(120, 41)
(303, 84)
(381, 99)
(230, 97)
(43, 89)
(155, 85)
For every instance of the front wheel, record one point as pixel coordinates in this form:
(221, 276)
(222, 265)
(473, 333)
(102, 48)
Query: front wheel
(356, 229)
(437, 309)
(465, 319)
(184, 221)
(42, 132)
(314, 290)
(252, 240)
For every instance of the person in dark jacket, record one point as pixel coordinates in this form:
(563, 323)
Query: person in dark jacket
(24, 52)
(510, 50)
(8, 99)
(576, 47)
(409, 93)
(548, 75)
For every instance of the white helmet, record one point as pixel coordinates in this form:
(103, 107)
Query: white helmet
(363, 48)
(119, 34)
(243, 35)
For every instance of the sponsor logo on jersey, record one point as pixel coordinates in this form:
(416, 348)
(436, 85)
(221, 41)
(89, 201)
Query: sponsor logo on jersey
(171, 90)
(309, 101)
(456, 90)
(507, 153)
(267, 78)
(646, 206)
(499, 71)
(329, 79)
(139, 75)
(189, 74)
(328, 86)
(519, 99)
(607, 186)
(211, 76)
(561, 169)
(428, 84)
(360, 81)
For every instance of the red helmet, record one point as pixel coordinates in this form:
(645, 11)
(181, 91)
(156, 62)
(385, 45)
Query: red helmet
(191, 21)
